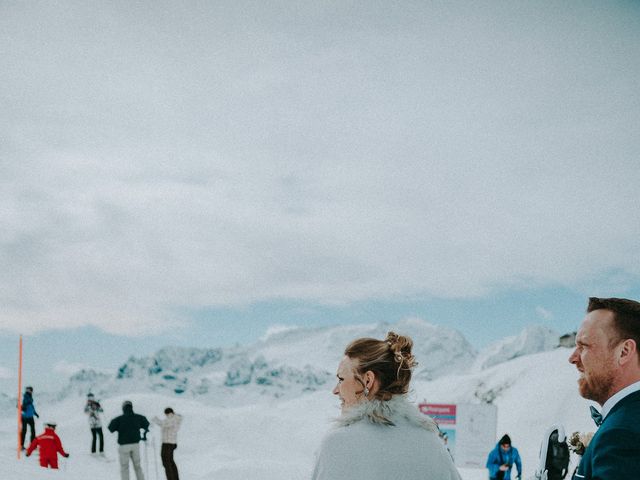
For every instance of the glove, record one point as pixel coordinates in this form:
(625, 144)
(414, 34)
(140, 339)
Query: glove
(28, 454)
(66, 455)
(37, 416)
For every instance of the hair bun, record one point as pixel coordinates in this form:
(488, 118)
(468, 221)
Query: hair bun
(390, 360)
(401, 347)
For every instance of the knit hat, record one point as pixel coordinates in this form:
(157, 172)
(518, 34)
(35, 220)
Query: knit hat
(505, 440)
(90, 395)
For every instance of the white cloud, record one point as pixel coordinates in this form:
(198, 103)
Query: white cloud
(311, 161)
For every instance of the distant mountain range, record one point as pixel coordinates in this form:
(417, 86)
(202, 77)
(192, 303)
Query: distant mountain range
(290, 361)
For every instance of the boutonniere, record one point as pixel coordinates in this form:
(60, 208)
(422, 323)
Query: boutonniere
(578, 442)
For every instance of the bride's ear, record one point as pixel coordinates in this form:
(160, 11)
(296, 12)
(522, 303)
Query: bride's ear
(369, 379)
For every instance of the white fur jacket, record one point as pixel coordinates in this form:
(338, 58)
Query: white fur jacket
(170, 426)
(383, 440)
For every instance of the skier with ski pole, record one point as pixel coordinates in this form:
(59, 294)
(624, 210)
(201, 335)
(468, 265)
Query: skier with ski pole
(128, 426)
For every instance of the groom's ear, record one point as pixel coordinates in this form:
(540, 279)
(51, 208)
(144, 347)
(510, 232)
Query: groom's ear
(627, 352)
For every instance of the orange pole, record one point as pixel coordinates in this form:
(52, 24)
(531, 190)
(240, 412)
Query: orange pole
(20, 399)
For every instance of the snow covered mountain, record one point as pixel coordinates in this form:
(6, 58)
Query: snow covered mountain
(439, 350)
(212, 373)
(532, 339)
(288, 362)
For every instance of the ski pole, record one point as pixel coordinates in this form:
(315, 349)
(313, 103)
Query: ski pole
(146, 458)
(155, 457)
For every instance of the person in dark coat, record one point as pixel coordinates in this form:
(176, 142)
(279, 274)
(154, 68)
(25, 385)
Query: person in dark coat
(608, 359)
(502, 458)
(128, 425)
(28, 412)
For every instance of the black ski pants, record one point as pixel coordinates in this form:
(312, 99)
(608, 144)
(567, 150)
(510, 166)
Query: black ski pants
(27, 422)
(97, 433)
(170, 468)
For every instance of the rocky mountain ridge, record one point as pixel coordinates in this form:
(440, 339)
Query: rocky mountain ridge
(289, 362)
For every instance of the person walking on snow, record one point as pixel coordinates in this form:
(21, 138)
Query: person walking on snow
(93, 409)
(501, 459)
(170, 426)
(49, 446)
(128, 426)
(28, 412)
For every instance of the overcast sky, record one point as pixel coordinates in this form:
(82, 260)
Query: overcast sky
(160, 161)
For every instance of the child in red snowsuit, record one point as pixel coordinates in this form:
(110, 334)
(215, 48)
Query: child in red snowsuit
(50, 445)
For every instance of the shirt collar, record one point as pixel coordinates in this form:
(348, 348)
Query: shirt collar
(628, 390)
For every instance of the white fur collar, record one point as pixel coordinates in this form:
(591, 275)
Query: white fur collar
(386, 412)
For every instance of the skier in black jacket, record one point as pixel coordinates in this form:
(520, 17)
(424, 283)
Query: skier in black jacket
(128, 426)
(28, 412)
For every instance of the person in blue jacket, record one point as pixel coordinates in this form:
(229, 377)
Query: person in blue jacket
(28, 412)
(607, 355)
(502, 459)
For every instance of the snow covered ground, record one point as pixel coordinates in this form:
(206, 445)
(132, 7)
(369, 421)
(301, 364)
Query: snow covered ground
(276, 438)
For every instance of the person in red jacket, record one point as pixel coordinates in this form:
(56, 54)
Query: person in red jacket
(50, 445)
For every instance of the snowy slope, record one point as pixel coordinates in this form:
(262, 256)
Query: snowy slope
(531, 392)
(532, 339)
(275, 438)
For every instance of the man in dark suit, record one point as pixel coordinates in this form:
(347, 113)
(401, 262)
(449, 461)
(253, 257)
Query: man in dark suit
(608, 358)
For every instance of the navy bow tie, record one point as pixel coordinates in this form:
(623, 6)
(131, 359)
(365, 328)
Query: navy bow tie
(596, 415)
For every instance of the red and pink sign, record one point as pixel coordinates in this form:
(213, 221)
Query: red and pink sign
(443, 414)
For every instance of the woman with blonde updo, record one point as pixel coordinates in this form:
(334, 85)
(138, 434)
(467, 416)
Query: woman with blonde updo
(380, 435)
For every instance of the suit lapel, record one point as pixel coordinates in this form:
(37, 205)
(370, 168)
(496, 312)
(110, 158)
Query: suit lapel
(584, 469)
